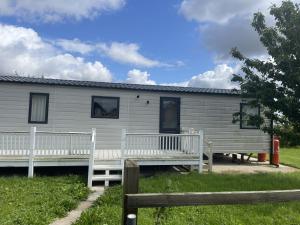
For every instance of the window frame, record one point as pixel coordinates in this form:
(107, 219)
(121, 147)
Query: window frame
(241, 117)
(178, 106)
(105, 117)
(30, 108)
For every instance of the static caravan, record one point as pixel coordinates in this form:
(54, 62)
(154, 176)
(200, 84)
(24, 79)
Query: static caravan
(157, 125)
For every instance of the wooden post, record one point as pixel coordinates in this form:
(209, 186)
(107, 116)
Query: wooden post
(131, 186)
(31, 151)
(91, 159)
(200, 169)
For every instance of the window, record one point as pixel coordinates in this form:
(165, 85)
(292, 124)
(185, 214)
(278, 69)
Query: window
(38, 108)
(105, 107)
(247, 116)
(169, 115)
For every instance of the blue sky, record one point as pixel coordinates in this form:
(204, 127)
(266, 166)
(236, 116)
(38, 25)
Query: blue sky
(176, 42)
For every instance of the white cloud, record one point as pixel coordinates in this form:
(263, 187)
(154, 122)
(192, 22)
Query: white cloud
(24, 52)
(136, 76)
(219, 77)
(221, 11)
(127, 53)
(225, 24)
(74, 45)
(57, 10)
(221, 38)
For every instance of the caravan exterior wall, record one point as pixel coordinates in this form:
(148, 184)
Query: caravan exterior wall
(139, 111)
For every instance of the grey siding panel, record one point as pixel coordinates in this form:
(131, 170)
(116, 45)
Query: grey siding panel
(70, 110)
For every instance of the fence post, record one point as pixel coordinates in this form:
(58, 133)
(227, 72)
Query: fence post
(200, 169)
(92, 158)
(131, 219)
(31, 151)
(130, 186)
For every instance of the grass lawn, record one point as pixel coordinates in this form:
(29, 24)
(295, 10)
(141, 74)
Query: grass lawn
(290, 156)
(39, 200)
(107, 210)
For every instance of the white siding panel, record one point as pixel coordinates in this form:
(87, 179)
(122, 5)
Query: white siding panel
(70, 110)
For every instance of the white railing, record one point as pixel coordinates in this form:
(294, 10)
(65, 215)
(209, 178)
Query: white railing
(35, 144)
(143, 145)
(14, 143)
(46, 143)
(62, 143)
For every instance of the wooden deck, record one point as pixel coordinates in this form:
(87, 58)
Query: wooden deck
(153, 157)
(42, 148)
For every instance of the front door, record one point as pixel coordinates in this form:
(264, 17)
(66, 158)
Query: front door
(169, 121)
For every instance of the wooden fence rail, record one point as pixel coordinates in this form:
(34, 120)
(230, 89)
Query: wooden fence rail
(132, 200)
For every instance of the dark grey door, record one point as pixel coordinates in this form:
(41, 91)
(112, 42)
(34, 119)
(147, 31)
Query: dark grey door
(169, 121)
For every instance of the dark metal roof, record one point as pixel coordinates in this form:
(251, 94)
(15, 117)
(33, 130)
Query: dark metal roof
(139, 87)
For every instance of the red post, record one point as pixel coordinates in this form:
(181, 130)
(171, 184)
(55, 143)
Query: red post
(276, 151)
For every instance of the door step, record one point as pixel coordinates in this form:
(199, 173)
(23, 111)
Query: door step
(108, 167)
(108, 173)
(114, 177)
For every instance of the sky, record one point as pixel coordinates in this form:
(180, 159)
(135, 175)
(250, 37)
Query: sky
(169, 42)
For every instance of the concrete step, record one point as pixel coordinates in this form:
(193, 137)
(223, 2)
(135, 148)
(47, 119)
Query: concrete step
(114, 177)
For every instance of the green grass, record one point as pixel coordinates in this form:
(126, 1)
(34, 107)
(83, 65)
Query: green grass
(40, 200)
(290, 156)
(107, 209)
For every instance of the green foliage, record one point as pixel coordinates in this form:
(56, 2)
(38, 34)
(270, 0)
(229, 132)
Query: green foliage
(107, 209)
(288, 135)
(39, 200)
(275, 82)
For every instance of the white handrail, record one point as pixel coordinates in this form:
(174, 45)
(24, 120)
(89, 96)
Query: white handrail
(159, 134)
(14, 132)
(51, 132)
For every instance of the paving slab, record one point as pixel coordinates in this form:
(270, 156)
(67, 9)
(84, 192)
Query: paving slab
(225, 165)
(75, 214)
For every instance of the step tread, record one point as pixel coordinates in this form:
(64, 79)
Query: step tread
(107, 167)
(107, 177)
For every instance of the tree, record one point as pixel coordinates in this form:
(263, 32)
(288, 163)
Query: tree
(274, 82)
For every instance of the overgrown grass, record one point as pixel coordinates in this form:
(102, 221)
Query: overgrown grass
(107, 210)
(39, 200)
(290, 156)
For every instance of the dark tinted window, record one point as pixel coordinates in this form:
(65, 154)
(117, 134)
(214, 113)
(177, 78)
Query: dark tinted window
(105, 107)
(248, 115)
(38, 108)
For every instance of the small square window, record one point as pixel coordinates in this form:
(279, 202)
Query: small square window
(247, 112)
(105, 107)
(38, 108)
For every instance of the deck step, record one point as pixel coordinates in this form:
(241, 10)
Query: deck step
(108, 167)
(114, 177)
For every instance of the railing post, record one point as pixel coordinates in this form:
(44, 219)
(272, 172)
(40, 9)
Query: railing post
(92, 158)
(200, 169)
(131, 186)
(70, 147)
(210, 157)
(123, 143)
(31, 151)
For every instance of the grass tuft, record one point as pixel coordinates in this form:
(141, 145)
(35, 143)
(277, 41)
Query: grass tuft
(39, 200)
(107, 209)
